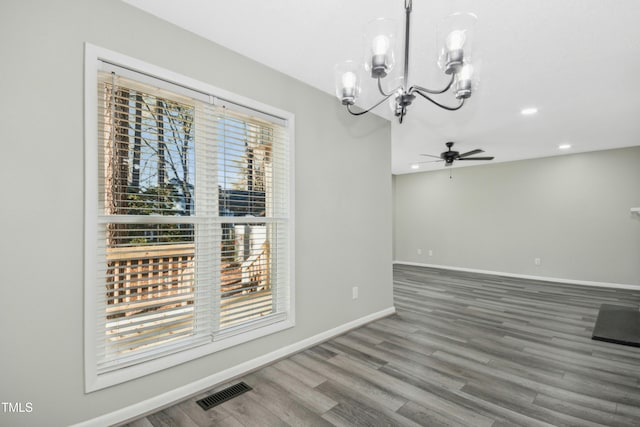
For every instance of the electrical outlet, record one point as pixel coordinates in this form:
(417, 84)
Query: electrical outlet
(419, 251)
(537, 261)
(354, 292)
(430, 252)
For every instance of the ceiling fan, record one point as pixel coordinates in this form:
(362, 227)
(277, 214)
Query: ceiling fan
(450, 155)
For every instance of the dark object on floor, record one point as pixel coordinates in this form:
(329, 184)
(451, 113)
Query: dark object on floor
(618, 324)
(223, 395)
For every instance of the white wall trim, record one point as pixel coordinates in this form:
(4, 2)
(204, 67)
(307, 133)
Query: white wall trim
(147, 406)
(525, 276)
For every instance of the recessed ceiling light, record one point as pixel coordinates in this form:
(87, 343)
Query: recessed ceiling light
(529, 111)
(415, 166)
(564, 146)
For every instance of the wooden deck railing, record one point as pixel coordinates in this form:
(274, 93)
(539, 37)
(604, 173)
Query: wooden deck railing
(149, 278)
(156, 278)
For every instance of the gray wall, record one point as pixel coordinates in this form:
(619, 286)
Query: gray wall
(343, 201)
(572, 212)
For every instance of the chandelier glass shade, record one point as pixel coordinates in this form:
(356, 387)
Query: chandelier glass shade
(455, 37)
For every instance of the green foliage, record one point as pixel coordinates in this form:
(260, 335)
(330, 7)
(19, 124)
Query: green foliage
(158, 200)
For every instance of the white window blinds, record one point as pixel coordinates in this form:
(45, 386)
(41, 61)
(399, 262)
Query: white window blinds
(193, 224)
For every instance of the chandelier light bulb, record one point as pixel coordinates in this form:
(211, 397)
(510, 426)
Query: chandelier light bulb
(455, 40)
(466, 72)
(349, 80)
(380, 45)
(463, 86)
(455, 37)
(380, 48)
(379, 41)
(455, 55)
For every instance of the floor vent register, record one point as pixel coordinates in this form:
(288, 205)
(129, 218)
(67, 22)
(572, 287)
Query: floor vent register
(223, 395)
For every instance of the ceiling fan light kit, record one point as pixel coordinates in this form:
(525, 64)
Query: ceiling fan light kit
(455, 36)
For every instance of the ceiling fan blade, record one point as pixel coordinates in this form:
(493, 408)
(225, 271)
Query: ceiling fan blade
(428, 161)
(470, 153)
(430, 155)
(477, 158)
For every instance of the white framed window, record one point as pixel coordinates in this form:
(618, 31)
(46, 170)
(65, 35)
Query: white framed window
(188, 219)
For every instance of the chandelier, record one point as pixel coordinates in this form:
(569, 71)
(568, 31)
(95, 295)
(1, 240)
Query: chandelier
(455, 37)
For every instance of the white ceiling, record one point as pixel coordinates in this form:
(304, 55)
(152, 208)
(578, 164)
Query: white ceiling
(577, 61)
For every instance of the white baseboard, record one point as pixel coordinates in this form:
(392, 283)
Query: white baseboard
(147, 406)
(526, 276)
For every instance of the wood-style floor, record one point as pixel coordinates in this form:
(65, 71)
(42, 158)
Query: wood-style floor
(463, 350)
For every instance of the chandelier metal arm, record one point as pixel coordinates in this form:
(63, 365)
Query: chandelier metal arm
(430, 91)
(359, 113)
(382, 92)
(439, 104)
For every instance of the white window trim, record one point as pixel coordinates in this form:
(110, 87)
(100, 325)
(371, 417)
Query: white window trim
(93, 380)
